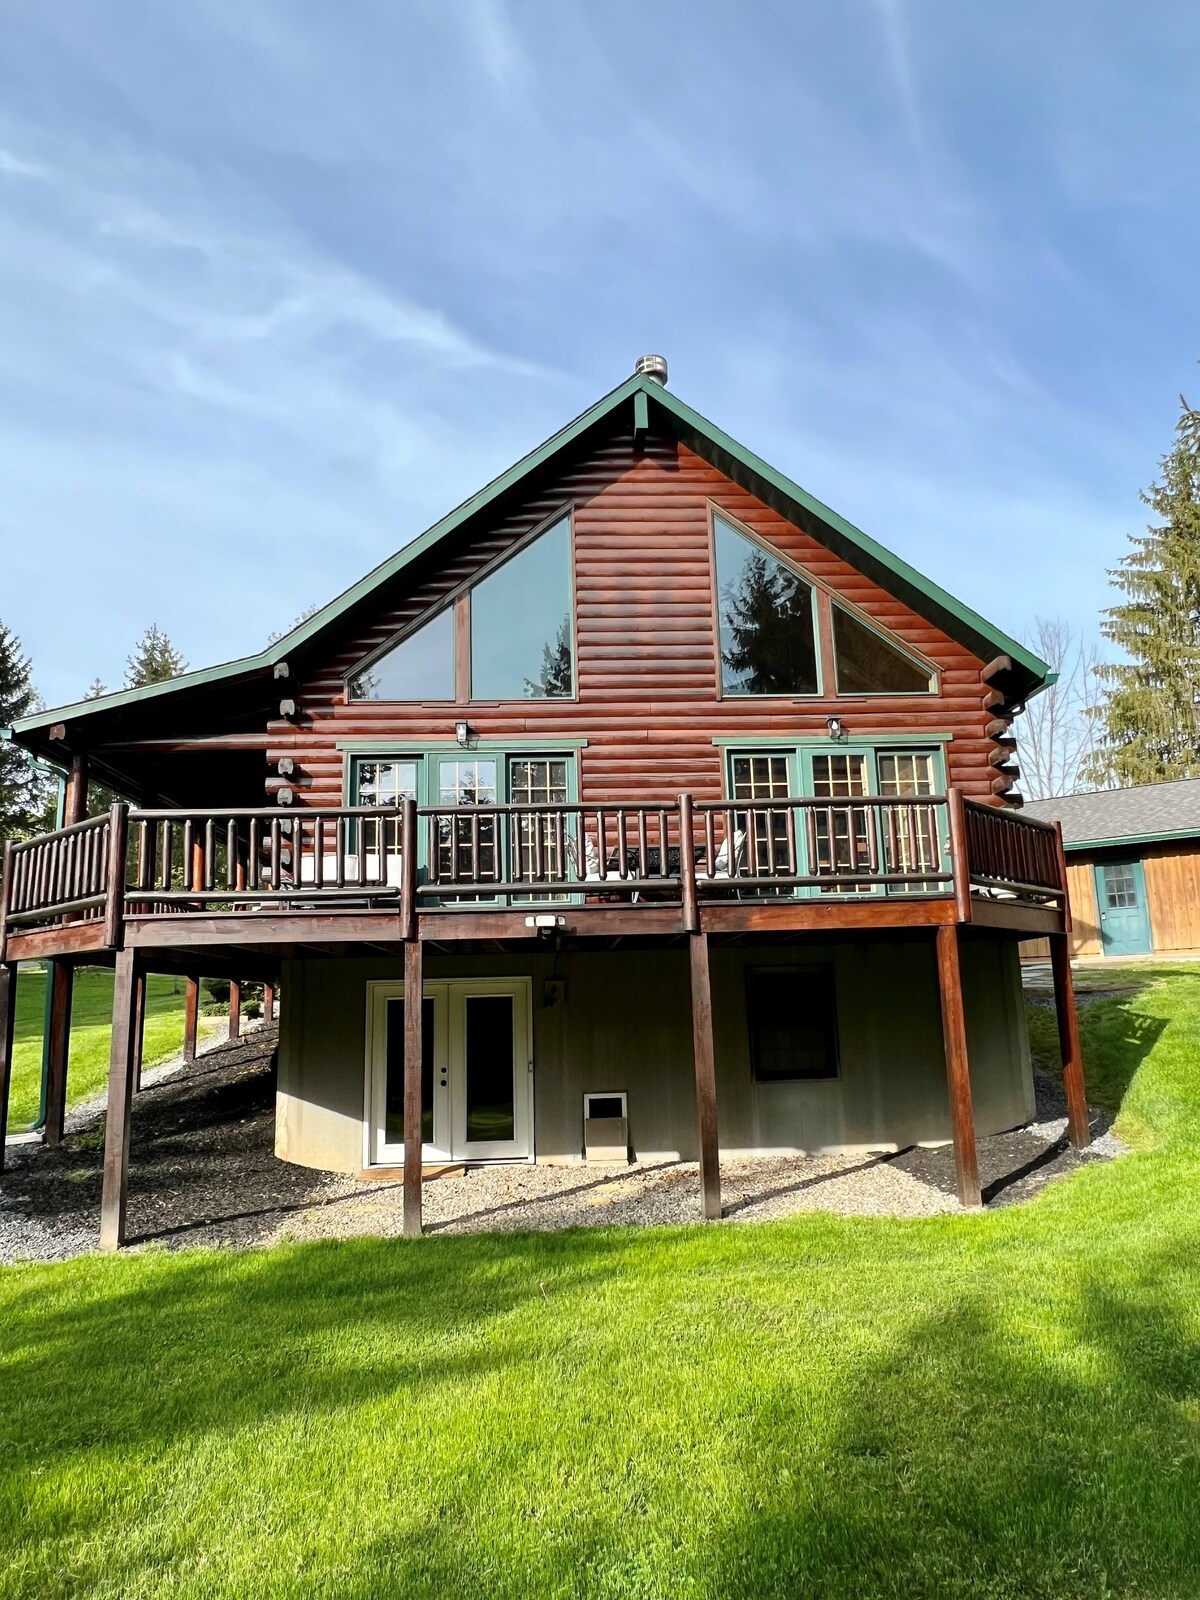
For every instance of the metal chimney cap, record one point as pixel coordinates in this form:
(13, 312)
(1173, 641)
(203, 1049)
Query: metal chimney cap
(652, 367)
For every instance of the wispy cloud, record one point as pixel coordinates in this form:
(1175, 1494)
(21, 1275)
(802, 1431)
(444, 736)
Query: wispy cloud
(278, 285)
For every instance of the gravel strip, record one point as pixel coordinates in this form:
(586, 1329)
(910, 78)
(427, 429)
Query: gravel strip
(203, 1172)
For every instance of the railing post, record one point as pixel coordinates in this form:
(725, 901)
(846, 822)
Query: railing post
(687, 865)
(5, 896)
(1062, 877)
(960, 862)
(118, 840)
(408, 869)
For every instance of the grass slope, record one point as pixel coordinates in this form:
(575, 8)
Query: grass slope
(91, 1032)
(996, 1405)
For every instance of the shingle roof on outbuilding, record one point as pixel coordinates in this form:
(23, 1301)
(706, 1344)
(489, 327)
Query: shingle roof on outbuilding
(1109, 816)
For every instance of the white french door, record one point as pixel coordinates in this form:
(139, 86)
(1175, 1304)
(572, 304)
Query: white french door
(476, 1078)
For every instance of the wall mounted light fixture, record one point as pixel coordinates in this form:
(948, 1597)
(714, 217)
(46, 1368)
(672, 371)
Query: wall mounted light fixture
(836, 730)
(462, 732)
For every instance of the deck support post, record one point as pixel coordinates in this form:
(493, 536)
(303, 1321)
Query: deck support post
(414, 991)
(268, 1003)
(62, 983)
(139, 1029)
(704, 1056)
(235, 1009)
(8, 1024)
(1078, 1128)
(120, 1104)
(958, 1072)
(191, 1019)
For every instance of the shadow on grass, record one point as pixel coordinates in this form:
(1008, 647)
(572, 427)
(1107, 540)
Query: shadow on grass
(999, 1438)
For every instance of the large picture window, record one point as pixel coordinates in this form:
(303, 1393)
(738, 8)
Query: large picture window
(765, 610)
(521, 624)
(791, 1016)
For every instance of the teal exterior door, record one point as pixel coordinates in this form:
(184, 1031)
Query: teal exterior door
(1121, 901)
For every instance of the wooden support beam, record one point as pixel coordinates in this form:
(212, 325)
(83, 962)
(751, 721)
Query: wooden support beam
(235, 1009)
(191, 1018)
(1078, 1128)
(62, 983)
(75, 796)
(268, 1003)
(8, 1024)
(704, 1056)
(414, 992)
(139, 1029)
(958, 1072)
(120, 1104)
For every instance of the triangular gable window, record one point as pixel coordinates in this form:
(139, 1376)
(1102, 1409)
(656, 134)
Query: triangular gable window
(867, 663)
(420, 667)
(768, 636)
(521, 623)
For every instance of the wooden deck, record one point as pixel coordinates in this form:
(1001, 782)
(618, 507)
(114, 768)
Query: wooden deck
(253, 887)
(237, 892)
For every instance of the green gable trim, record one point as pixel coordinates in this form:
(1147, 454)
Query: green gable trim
(705, 432)
(1122, 840)
(745, 741)
(695, 431)
(488, 747)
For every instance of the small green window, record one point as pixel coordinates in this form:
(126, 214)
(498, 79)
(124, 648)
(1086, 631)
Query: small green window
(867, 663)
(420, 667)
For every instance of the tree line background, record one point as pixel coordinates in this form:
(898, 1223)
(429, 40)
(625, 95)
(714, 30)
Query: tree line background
(1107, 721)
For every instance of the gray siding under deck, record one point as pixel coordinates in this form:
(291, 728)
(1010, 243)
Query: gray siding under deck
(626, 1025)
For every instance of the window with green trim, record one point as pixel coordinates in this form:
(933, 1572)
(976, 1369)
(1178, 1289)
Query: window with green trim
(420, 667)
(767, 622)
(867, 663)
(521, 623)
(849, 833)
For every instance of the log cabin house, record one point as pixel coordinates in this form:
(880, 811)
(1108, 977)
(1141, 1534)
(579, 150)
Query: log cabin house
(686, 808)
(1133, 868)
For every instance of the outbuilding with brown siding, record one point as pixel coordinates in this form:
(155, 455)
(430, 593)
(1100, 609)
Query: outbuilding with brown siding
(1133, 867)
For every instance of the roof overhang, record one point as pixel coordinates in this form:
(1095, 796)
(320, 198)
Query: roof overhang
(195, 698)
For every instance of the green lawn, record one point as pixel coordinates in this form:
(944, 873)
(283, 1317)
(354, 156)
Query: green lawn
(996, 1405)
(91, 1031)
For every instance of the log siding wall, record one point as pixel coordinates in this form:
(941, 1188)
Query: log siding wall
(648, 700)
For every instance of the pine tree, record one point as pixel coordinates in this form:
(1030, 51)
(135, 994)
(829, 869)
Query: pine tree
(1150, 711)
(154, 660)
(24, 792)
(766, 628)
(95, 689)
(557, 678)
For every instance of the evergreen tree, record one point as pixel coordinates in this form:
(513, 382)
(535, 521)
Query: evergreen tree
(1150, 711)
(766, 631)
(24, 793)
(95, 689)
(556, 679)
(154, 660)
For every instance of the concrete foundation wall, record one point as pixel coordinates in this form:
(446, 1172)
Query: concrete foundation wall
(625, 1024)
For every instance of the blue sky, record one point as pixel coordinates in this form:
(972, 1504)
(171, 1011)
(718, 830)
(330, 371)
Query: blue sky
(282, 281)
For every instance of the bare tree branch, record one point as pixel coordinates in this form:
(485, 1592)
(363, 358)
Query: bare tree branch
(1056, 735)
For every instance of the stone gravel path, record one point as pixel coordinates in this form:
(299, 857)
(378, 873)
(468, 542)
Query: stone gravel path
(203, 1172)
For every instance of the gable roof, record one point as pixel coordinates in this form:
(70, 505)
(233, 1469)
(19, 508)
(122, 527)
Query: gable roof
(1141, 814)
(672, 415)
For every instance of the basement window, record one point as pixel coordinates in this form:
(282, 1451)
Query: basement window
(791, 1017)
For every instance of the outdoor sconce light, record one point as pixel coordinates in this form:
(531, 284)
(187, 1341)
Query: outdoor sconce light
(462, 732)
(836, 730)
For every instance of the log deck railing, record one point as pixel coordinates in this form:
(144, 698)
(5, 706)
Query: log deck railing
(158, 863)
